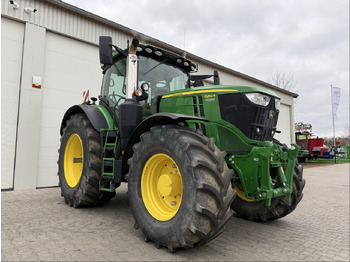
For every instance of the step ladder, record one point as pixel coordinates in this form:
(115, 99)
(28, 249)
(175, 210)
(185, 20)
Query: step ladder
(110, 140)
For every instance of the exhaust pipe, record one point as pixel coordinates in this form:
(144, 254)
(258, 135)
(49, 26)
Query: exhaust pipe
(131, 69)
(134, 44)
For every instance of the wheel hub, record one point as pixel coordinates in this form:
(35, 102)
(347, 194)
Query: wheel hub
(169, 185)
(73, 160)
(161, 187)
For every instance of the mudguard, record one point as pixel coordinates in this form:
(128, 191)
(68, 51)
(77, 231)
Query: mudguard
(158, 120)
(93, 113)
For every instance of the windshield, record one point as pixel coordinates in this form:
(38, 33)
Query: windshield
(160, 76)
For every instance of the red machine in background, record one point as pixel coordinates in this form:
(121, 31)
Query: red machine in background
(310, 148)
(317, 149)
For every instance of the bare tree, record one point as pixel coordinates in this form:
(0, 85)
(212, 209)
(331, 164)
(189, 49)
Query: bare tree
(346, 134)
(343, 140)
(285, 81)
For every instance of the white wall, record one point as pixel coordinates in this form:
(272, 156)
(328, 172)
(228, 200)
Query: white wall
(29, 108)
(283, 125)
(11, 64)
(70, 67)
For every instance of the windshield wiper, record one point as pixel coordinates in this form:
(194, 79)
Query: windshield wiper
(156, 66)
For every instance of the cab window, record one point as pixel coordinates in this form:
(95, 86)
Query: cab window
(113, 87)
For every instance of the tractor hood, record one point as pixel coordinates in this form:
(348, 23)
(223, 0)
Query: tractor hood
(222, 89)
(254, 111)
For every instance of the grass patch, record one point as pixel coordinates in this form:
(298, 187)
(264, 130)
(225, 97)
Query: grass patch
(322, 162)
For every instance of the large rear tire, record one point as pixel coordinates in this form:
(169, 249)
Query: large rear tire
(179, 187)
(79, 164)
(279, 208)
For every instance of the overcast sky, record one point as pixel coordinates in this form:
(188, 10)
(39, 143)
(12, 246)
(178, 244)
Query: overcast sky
(306, 38)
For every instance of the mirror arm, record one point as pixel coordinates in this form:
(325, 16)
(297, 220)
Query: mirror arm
(122, 52)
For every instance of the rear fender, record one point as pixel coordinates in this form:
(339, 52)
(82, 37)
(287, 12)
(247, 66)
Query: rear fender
(98, 117)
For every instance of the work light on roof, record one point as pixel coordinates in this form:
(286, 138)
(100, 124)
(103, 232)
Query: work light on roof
(158, 53)
(148, 50)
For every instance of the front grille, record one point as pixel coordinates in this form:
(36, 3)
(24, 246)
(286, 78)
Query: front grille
(254, 121)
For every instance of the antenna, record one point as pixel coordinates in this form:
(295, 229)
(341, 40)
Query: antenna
(184, 54)
(184, 39)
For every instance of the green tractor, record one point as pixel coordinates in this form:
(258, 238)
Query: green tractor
(190, 153)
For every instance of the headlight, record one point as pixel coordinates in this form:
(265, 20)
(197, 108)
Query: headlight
(277, 103)
(259, 99)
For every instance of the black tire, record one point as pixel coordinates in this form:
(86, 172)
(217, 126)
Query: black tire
(279, 208)
(86, 192)
(207, 192)
(302, 159)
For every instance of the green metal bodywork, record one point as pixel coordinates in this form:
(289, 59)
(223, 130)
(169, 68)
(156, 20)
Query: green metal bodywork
(303, 153)
(107, 116)
(264, 169)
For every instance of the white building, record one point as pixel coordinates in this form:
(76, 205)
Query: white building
(48, 58)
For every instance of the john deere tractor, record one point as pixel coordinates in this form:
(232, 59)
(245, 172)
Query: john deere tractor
(186, 150)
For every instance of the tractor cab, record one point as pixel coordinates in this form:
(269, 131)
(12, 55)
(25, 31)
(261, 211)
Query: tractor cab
(158, 70)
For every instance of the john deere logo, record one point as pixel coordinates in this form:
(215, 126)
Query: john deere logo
(271, 114)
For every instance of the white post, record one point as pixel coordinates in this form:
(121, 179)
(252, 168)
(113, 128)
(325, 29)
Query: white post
(333, 115)
(335, 155)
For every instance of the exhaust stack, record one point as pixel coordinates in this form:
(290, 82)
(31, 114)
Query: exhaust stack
(131, 69)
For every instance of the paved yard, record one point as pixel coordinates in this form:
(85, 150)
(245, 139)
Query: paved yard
(38, 225)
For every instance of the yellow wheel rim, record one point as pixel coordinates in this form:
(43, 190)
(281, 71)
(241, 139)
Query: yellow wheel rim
(73, 160)
(161, 187)
(241, 194)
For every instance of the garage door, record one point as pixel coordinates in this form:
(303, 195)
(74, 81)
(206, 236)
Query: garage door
(70, 67)
(283, 125)
(12, 34)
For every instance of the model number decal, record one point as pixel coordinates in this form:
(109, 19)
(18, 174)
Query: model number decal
(209, 98)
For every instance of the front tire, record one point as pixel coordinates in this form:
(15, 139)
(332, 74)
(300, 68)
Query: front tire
(179, 187)
(79, 164)
(302, 159)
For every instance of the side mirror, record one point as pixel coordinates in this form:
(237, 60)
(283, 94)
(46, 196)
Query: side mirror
(216, 77)
(105, 45)
(198, 79)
